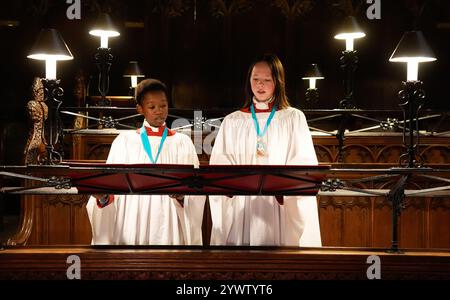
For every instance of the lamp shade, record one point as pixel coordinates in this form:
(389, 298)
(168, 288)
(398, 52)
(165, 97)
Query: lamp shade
(412, 47)
(50, 45)
(104, 26)
(313, 72)
(133, 70)
(349, 29)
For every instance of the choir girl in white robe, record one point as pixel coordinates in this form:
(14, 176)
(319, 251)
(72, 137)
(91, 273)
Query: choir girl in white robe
(273, 134)
(149, 219)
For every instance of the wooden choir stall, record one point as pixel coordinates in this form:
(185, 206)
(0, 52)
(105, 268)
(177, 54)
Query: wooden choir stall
(353, 226)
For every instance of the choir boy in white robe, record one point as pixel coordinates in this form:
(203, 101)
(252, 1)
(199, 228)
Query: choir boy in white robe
(267, 131)
(149, 219)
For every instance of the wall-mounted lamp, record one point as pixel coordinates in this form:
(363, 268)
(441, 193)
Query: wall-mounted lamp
(312, 74)
(349, 31)
(50, 46)
(105, 29)
(133, 71)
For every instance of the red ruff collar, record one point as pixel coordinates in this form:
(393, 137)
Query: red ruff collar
(160, 131)
(269, 109)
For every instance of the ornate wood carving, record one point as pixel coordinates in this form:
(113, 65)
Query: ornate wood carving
(438, 154)
(294, 10)
(324, 154)
(79, 93)
(344, 202)
(67, 200)
(223, 8)
(358, 154)
(440, 203)
(98, 152)
(169, 8)
(38, 113)
(382, 202)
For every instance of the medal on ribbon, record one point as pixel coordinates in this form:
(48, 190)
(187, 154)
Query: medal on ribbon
(261, 147)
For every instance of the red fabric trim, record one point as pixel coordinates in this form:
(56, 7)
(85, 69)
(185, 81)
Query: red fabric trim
(110, 200)
(247, 109)
(160, 131)
(279, 199)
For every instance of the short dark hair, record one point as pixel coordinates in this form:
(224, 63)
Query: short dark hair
(280, 98)
(148, 85)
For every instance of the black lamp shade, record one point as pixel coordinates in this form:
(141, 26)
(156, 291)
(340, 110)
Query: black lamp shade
(50, 45)
(412, 47)
(133, 70)
(313, 72)
(104, 26)
(349, 29)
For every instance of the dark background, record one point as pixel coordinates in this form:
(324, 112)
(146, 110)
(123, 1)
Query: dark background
(204, 62)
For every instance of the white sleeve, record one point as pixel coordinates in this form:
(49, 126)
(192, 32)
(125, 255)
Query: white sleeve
(301, 148)
(102, 219)
(301, 152)
(222, 206)
(221, 153)
(118, 150)
(193, 205)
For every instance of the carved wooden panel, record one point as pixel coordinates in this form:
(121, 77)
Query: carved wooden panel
(381, 224)
(437, 154)
(380, 149)
(345, 221)
(60, 220)
(215, 263)
(412, 224)
(439, 222)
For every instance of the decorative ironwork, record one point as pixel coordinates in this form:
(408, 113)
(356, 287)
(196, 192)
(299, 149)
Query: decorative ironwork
(311, 97)
(59, 183)
(108, 122)
(397, 196)
(348, 64)
(413, 97)
(331, 185)
(53, 130)
(102, 121)
(103, 60)
(391, 124)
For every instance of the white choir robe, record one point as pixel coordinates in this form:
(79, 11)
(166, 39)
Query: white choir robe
(148, 219)
(261, 220)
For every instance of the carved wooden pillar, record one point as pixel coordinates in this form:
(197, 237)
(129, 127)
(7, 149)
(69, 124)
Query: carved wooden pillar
(34, 149)
(37, 113)
(80, 99)
(26, 222)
